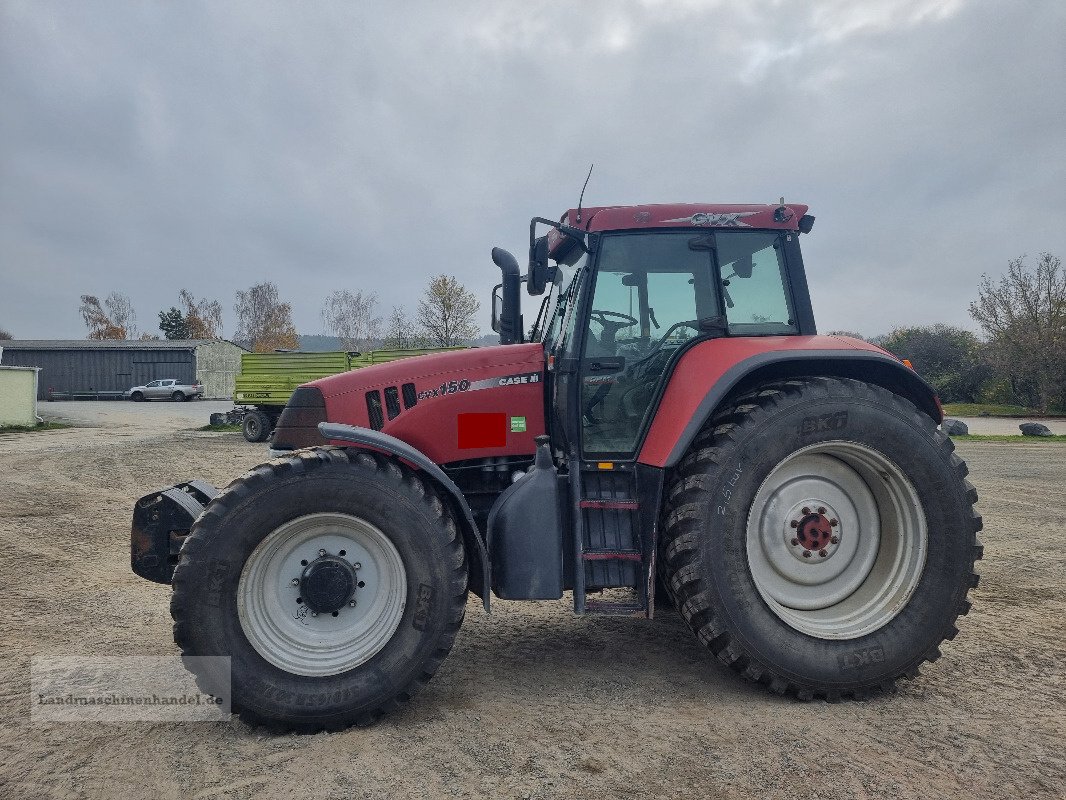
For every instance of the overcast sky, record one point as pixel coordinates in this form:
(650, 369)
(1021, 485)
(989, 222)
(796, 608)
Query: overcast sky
(148, 147)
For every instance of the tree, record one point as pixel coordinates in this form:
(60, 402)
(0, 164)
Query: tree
(401, 333)
(203, 318)
(5, 336)
(173, 325)
(350, 317)
(1023, 314)
(950, 358)
(447, 311)
(264, 323)
(118, 321)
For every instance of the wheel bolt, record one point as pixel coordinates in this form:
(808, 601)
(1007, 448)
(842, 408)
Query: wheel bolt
(357, 565)
(821, 509)
(314, 613)
(822, 553)
(795, 542)
(351, 604)
(794, 523)
(295, 581)
(321, 552)
(806, 553)
(835, 540)
(806, 510)
(833, 522)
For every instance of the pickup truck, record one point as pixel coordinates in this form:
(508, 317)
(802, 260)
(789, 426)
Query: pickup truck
(165, 389)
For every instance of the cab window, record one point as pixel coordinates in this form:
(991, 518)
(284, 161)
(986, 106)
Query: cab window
(754, 285)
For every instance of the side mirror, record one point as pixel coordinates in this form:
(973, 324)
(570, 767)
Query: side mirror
(497, 306)
(743, 266)
(539, 274)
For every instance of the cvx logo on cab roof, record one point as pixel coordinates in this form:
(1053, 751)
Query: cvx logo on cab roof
(708, 219)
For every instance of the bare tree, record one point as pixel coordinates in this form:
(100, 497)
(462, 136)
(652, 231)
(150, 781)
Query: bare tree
(203, 318)
(120, 310)
(264, 323)
(401, 333)
(1023, 314)
(5, 336)
(447, 312)
(350, 317)
(99, 322)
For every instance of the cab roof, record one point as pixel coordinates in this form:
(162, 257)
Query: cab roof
(682, 215)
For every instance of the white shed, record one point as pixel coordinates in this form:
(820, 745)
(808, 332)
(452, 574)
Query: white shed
(18, 396)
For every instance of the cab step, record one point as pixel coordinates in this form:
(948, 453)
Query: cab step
(617, 609)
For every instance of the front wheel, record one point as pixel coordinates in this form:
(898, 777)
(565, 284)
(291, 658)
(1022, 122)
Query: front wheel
(335, 582)
(820, 537)
(137, 397)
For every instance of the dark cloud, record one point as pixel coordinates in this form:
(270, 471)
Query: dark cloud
(151, 147)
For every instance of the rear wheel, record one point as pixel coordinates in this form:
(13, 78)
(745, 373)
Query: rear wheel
(334, 581)
(820, 537)
(256, 426)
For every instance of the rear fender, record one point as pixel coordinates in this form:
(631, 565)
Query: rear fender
(364, 438)
(687, 406)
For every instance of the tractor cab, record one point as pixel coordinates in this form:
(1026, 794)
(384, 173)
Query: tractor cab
(628, 290)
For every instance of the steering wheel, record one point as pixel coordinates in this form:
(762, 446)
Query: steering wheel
(602, 317)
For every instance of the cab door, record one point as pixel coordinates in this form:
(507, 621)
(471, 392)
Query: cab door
(649, 293)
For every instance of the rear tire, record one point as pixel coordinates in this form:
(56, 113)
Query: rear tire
(233, 594)
(256, 426)
(786, 598)
(177, 397)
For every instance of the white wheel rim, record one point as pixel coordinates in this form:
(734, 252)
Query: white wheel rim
(836, 540)
(285, 632)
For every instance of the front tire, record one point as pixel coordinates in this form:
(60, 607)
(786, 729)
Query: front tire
(820, 537)
(258, 582)
(137, 397)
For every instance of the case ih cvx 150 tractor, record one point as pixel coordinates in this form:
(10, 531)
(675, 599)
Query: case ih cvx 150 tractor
(672, 420)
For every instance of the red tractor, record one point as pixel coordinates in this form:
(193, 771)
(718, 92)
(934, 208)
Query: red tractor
(671, 429)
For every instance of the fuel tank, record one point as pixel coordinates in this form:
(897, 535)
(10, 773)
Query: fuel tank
(453, 406)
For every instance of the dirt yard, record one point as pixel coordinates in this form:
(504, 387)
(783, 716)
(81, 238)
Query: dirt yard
(532, 702)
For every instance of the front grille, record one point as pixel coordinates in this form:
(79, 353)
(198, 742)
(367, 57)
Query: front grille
(392, 402)
(373, 408)
(410, 396)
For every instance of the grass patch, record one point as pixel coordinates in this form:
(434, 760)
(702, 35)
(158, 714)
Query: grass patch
(43, 426)
(221, 428)
(993, 410)
(1007, 438)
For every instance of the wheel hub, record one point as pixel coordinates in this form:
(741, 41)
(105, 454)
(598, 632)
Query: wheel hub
(812, 532)
(327, 584)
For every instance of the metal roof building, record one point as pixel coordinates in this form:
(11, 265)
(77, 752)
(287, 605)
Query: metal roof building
(71, 367)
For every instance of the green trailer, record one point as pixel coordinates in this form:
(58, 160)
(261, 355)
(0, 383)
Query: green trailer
(267, 380)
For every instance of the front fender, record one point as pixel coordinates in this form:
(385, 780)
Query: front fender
(365, 438)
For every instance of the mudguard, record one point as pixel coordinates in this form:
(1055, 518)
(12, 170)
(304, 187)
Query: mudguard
(710, 371)
(480, 575)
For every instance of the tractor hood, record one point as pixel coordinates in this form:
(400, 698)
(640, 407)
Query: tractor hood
(452, 406)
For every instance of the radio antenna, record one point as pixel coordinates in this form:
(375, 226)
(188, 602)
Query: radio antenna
(582, 197)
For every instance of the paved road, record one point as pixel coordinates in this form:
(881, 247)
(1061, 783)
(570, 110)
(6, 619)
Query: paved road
(156, 416)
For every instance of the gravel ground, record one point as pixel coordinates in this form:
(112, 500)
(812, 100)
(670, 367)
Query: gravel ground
(533, 702)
